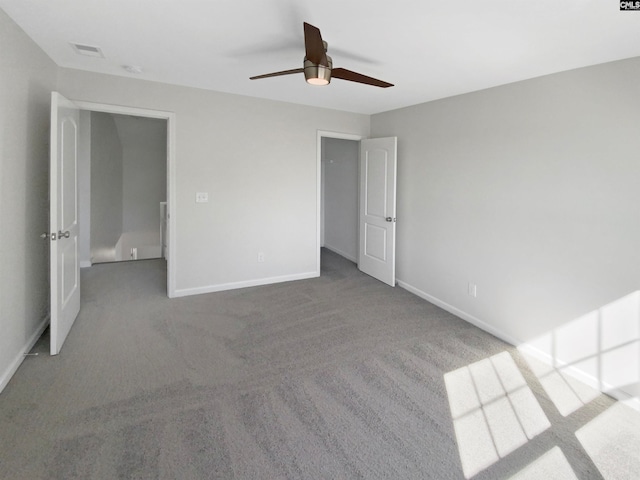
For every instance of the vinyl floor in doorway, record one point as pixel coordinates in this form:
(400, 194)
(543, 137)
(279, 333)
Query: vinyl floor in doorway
(335, 377)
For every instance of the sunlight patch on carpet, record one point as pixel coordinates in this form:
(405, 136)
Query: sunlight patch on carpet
(494, 411)
(612, 440)
(553, 465)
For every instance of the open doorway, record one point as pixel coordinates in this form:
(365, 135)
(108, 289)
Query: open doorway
(338, 160)
(339, 207)
(357, 201)
(126, 173)
(126, 192)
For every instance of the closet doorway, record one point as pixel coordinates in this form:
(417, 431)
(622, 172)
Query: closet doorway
(339, 196)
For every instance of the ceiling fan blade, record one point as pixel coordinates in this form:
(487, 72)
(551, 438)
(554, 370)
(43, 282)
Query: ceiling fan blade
(345, 74)
(278, 74)
(313, 45)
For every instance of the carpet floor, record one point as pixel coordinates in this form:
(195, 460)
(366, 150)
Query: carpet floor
(337, 377)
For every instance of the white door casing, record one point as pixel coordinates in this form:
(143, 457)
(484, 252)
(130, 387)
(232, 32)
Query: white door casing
(63, 220)
(377, 218)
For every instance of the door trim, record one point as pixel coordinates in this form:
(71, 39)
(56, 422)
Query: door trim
(320, 135)
(170, 117)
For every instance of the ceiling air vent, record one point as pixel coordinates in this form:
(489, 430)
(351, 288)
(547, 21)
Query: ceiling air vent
(88, 50)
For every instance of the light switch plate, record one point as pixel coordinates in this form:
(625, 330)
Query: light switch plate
(202, 197)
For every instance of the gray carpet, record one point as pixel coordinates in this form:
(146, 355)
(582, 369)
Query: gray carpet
(337, 377)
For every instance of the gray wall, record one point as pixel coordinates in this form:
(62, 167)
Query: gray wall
(27, 77)
(106, 188)
(144, 142)
(531, 191)
(340, 196)
(255, 158)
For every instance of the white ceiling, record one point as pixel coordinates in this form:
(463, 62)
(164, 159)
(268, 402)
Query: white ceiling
(429, 49)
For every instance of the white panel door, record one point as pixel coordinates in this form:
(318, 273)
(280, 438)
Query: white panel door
(378, 165)
(63, 221)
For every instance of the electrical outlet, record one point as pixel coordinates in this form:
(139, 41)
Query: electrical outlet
(473, 290)
(260, 257)
(202, 197)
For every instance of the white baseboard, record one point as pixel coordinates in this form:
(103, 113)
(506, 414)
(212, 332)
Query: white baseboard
(459, 313)
(184, 292)
(13, 367)
(529, 349)
(341, 253)
(580, 375)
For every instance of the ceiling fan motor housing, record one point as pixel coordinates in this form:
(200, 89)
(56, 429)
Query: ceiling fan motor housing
(316, 74)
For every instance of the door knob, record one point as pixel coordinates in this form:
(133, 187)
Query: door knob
(389, 219)
(64, 234)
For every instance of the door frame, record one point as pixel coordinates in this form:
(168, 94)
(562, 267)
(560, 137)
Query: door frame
(320, 135)
(170, 117)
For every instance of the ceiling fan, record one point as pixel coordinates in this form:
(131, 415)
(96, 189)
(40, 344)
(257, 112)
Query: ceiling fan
(318, 66)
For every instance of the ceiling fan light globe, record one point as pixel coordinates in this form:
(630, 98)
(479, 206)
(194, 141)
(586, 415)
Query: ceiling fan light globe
(317, 81)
